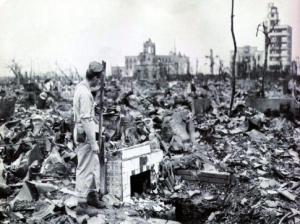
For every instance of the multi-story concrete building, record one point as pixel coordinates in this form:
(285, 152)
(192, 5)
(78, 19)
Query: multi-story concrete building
(247, 58)
(149, 66)
(280, 49)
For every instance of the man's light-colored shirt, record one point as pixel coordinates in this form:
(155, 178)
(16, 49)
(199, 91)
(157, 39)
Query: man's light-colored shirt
(83, 102)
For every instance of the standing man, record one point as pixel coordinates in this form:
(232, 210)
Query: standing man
(88, 168)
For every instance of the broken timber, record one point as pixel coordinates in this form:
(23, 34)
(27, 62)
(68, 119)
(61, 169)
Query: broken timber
(206, 176)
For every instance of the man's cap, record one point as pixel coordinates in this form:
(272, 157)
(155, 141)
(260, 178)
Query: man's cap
(43, 95)
(95, 67)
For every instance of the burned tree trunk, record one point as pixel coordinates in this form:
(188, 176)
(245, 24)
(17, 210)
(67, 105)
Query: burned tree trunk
(233, 60)
(267, 44)
(16, 69)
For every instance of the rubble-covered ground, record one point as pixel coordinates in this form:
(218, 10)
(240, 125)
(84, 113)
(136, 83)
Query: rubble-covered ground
(259, 154)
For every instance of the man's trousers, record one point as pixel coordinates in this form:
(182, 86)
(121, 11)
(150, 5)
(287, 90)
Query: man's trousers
(88, 170)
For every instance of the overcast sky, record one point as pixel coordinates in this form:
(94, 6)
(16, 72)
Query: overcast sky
(77, 32)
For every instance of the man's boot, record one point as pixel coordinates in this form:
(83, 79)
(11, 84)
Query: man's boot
(83, 209)
(93, 200)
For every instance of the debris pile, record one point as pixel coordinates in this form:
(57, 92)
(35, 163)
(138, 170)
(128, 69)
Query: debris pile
(216, 169)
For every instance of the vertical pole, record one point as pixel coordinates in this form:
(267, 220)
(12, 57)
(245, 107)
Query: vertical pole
(212, 61)
(233, 61)
(31, 71)
(102, 165)
(220, 75)
(102, 138)
(19, 73)
(56, 71)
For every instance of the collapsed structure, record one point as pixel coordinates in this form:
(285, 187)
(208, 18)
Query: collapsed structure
(170, 155)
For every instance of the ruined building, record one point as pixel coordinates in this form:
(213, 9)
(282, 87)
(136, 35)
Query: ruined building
(280, 49)
(247, 59)
(149, 66)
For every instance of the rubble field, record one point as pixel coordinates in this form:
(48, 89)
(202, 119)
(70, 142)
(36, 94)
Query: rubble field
(216, 168)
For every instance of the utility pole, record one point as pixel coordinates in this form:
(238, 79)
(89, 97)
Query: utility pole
(55, 70)
(211, 58)
(197, 66)
(18, 79)
(39, 68)
(220, 71)
(30, 70)
(297, 60)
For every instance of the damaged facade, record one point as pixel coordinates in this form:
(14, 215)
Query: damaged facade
(149, 66)
(280, 50)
